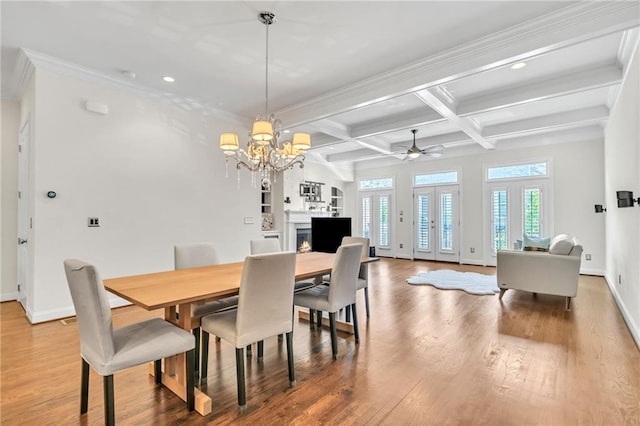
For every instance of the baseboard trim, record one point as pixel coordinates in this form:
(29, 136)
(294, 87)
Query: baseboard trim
(596, 272)
(402, 256)
(6, 297)
(633, 328)
(56, 314)
(472, 262)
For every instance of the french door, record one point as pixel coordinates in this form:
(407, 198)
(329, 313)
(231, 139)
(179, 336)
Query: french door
(24, 221)
(436, 225)
(516, 208)
(374, 220)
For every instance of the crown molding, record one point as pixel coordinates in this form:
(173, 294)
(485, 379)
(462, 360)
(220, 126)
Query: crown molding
(571, 25)
(22, 74)
(29, 60)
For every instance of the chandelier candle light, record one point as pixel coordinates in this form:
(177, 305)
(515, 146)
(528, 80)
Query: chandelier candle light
(264, 153)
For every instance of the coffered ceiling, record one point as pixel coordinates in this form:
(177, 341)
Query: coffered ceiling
(357, 75)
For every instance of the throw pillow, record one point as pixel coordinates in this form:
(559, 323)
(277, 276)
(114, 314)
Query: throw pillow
(538, 242)
(561, 244)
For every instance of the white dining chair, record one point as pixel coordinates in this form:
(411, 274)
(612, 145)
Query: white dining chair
(363, 274)
(340, 293)
(108, 350)
(195, 255)
(265, 308)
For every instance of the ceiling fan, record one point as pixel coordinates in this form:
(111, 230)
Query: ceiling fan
(430, 151)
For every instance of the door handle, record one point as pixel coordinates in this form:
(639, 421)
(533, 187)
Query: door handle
(21, 241)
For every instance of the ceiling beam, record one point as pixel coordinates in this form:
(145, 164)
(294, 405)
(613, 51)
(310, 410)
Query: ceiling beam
(340, 131)
(576, 23)
(403, 121)
(442, 102)
(548, 122)
(593, 78)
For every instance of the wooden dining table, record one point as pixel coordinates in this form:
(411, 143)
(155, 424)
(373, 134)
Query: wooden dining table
(183, 290)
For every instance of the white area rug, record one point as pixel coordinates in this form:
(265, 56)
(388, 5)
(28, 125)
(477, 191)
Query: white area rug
(446, 279)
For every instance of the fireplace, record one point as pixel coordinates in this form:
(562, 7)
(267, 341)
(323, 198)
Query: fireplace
(303, 240)
(299, 220)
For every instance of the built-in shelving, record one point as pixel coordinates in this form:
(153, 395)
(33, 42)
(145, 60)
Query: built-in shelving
(337, 201)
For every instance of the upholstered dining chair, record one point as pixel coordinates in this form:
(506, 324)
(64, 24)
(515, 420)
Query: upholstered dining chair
(195, 255)
(363, 274)
(110, 350)
(271, 245)
(265, 309)
(340, 293)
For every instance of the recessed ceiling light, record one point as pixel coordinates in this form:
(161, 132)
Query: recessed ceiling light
(168, 79)
(518, 65)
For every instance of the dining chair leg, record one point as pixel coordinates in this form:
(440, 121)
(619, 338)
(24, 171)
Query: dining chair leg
(260, 349)
(157, 371)
(249, 352)
(292, 373)
(366, 300)
(355, 324)
(84, 387)
(196, 334)
(312, 313)
(347, 313)
(242, 399)
(191, 377)
(109, 408)
(334, 334)
(204, 369)
(319, 319)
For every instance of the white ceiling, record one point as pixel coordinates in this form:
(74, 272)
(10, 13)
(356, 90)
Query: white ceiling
(358, 75)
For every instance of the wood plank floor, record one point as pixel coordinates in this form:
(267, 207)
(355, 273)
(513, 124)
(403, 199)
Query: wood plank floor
(426, 356)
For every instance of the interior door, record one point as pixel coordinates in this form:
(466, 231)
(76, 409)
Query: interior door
(23, 214)
(437, 223)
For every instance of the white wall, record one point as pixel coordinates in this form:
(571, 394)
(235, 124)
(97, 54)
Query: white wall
(578, 185)
(622, 159)
(149, 170)
(10, 121)
(313, 172)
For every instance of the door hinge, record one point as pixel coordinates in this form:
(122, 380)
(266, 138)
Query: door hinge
(30, 223)
(18, 288)
(19, 195)
(19, 148)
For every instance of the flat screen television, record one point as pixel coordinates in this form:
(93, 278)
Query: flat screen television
(327, 233)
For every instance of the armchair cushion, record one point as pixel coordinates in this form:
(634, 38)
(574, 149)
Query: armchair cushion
(561, 244)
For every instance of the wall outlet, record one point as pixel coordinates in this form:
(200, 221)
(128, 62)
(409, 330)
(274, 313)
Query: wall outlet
(93, 222)
(587, 256)
(472, 249)
(401, 245)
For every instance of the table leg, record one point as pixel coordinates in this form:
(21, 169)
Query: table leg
(174, 377)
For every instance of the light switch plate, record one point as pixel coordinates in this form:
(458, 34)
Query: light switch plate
(248, 220)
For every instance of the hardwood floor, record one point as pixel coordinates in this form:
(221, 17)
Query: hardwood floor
(426, 356)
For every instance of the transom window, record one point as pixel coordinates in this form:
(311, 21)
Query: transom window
(436, 178)
(382, 183)
(515, 171)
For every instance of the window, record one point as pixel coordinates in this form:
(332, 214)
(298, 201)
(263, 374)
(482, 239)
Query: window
(500, 220)
(366, 217)
(384, 183)
(423, 222)
(436, 178)
(532, 212)
(383, 238)
(517, 171)
(446, 221)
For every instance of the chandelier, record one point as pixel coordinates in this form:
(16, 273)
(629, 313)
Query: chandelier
(265, 154)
